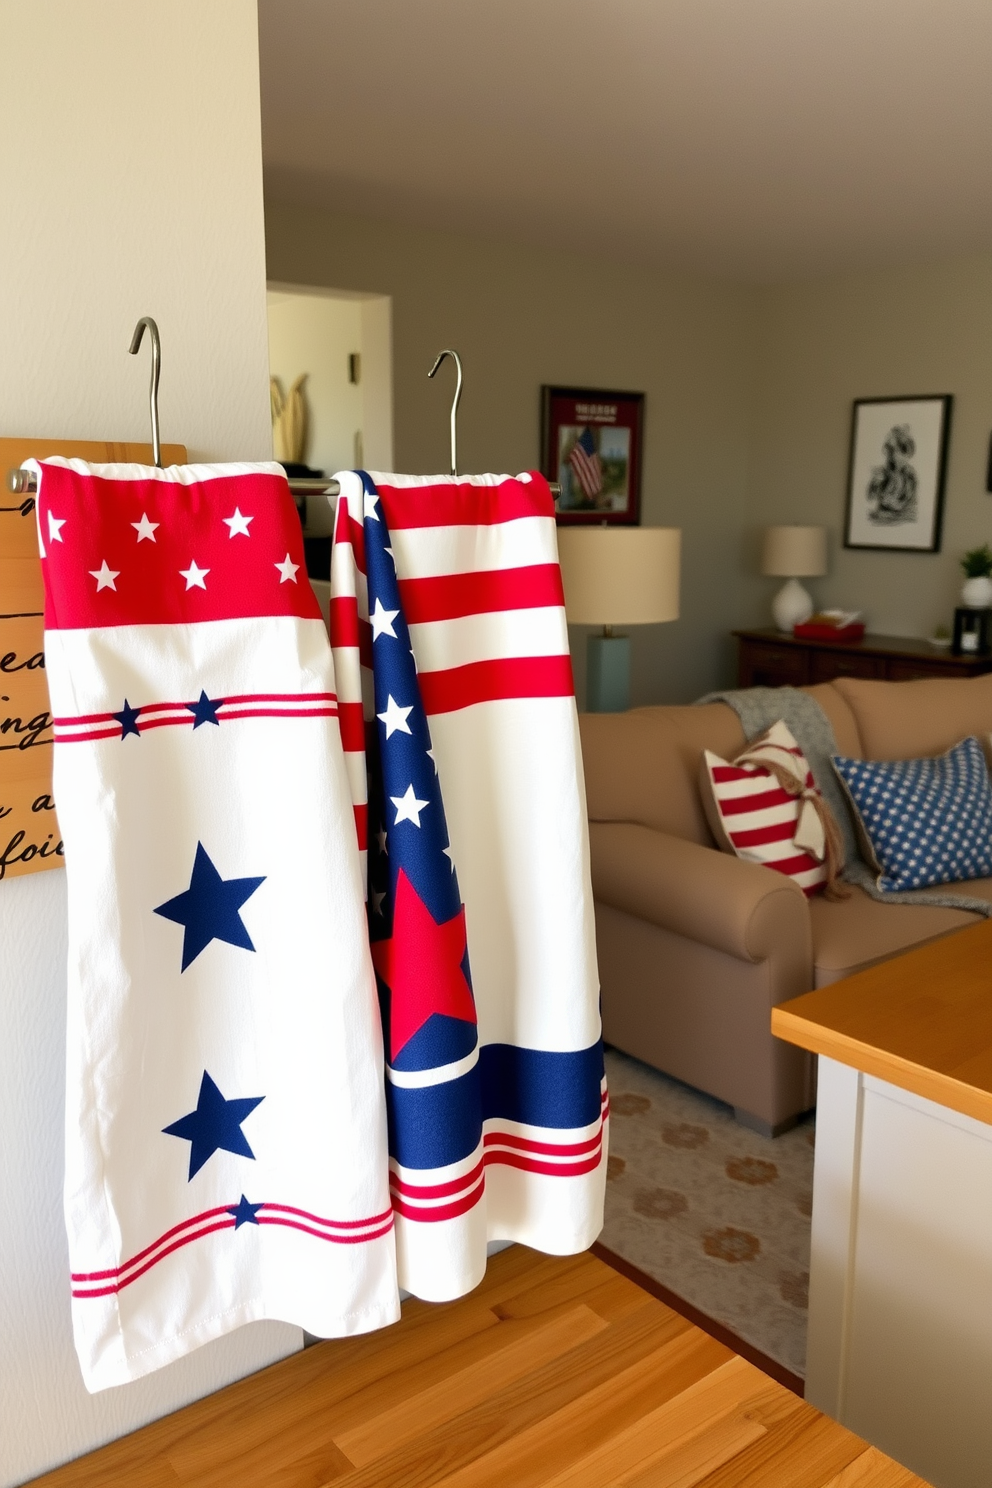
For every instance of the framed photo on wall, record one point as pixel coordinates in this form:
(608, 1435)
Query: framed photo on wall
(591, 444)
(895, 489)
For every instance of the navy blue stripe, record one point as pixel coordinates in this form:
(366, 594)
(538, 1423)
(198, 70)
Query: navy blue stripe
(437, 1124)
(541, 1088)
(440, 1124)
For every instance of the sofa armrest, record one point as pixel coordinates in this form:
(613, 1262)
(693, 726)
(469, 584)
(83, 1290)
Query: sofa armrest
(741, 908)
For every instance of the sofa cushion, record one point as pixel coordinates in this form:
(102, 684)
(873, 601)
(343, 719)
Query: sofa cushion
(842, 720)
(753, 815)
(641, 766)
(928, 821)
(853, 933)
(904, 720)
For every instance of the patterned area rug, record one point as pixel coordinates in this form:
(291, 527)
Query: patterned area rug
(714, 1212)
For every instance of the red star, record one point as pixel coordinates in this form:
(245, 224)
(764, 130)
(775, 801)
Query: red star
(421, 966)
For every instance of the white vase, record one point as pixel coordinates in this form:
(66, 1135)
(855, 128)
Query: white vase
(976, 594)
(791, 605)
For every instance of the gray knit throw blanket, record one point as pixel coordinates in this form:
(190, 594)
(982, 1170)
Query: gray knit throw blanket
(758, 708)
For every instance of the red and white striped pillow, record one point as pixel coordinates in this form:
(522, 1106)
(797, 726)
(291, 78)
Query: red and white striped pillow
(752, 816)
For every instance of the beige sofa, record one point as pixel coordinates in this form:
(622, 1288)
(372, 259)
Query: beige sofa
(696, 946)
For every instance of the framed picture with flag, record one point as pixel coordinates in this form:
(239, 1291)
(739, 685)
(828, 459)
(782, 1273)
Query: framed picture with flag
(591, 444)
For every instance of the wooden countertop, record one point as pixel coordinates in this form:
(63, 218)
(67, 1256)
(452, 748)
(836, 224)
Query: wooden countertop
(922, 1021)
(556, 1372)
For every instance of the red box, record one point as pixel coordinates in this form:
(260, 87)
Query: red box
(811, 632)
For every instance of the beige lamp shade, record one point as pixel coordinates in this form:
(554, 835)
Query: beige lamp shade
(794, 552)
(620, 575)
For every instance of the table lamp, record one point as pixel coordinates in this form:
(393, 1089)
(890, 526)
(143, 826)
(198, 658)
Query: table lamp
(617, 576)
(793, 553)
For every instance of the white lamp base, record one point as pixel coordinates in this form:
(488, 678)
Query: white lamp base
(792, 605)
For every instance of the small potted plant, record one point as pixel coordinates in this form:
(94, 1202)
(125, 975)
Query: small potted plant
(976, 591)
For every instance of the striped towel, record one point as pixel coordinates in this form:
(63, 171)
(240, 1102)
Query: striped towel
(225, 1124)
(457, 705)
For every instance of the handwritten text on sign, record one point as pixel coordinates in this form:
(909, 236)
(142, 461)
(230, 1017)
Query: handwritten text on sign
(29, 832)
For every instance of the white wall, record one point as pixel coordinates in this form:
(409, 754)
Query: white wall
(315, 333)
(131, 164)
(348, 424)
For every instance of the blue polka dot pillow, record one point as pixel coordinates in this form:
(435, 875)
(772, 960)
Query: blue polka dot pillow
(927, 821)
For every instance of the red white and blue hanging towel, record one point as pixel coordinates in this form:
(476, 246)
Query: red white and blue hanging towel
(447, 617)
(225, 1123)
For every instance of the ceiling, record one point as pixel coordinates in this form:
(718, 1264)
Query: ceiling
(760, 140)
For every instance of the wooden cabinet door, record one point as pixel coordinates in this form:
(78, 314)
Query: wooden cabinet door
(763, 664)
(826, 665)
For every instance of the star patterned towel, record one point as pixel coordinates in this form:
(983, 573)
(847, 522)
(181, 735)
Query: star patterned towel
(447, 617)
(225, 1122)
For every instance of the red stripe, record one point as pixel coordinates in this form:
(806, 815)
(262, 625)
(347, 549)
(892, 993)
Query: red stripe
(344, 621)
(436, 1213)
(488, 681)
(339, 1224)
(186, 1224)
(274, 713)
(118, 1286)
(154, 723)
(800, 863)
(196, 1230)
(436, 1190)
(276, 697)
(454, 504)
(352, 726)
(356, 535)
(241, 697)
(526, 1144)
(294, 1224)
(114, 733)
(341, 522)
(442, 1211)
(451, 596)
(549, 1170)
(759, 836)
(362, 825)
(760, 801)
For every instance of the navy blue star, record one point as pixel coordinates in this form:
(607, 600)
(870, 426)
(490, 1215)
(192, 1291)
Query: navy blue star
(214, 1125)
(208, 909)
(128, 720)
(244, 1213)
(204, 710)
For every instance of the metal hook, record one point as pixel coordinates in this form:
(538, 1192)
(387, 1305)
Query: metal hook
(454, 406)
(139, 332)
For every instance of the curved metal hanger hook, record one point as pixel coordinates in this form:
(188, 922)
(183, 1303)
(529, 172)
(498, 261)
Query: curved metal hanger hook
(454, 406)
(139, 332)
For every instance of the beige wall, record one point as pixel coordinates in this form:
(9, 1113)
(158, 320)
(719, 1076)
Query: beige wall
(130, 157)
(522, 317)
(819, 346)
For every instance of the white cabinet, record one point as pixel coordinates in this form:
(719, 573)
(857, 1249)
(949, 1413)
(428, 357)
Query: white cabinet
(900, 1320)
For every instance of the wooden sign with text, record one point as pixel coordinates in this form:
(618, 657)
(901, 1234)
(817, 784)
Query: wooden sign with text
(29, 832)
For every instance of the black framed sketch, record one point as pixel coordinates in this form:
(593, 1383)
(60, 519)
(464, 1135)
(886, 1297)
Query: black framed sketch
(591, 444)
(895, 488)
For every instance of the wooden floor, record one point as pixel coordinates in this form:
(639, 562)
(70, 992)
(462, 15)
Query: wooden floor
(553, 1372)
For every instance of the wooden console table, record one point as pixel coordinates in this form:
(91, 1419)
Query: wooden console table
(900, 1296)
(771, 658)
